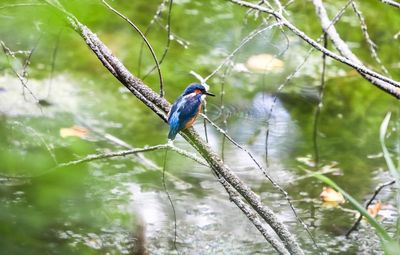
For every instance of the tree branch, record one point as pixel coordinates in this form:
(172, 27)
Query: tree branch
(371, 45)
(133, 151)
(391, 2)
(388, 85)
(160, 106)
(344, 50)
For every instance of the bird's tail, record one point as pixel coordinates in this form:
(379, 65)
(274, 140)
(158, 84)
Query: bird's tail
(172, 134)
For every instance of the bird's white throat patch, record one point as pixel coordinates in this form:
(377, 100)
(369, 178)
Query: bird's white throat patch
(191, 95)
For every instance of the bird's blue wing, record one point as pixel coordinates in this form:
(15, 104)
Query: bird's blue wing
(183, 110)
(173, 117)
(190, 109)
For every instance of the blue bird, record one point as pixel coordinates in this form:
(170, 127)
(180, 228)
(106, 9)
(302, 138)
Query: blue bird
(187, 106)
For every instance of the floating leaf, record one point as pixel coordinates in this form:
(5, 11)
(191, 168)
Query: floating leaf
(330, 195)
(373, 210)
(264, 62)
(73, 131)
(388, 244)
(44, 102)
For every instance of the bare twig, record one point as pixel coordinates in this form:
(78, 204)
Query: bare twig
(21, 77)
(371, 44)
(168, 40)
(39, 137)
(243, 42)
(169, 199)
(369, 202)
(53, 61)
(319, 106)
(132, 151)
(148, 28)
(145, 40)
(222, 107)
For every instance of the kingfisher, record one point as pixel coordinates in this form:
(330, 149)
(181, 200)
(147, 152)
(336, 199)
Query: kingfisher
(185, 109)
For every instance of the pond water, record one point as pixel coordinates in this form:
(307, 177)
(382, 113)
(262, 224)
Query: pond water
(118, 205)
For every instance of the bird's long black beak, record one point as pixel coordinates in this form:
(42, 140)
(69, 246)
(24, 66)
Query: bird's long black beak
(209, 94)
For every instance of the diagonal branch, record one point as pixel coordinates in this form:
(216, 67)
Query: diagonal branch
(391, 2)
(344, 50)
(264, 171)
(160, 106)
(386, 84)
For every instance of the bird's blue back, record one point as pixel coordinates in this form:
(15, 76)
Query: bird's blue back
(183, 110)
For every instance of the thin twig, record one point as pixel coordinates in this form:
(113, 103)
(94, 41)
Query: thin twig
(40, 137)
(168, 40)
(20, 77)
(148, 28)
(142, 159)
(222, 107)
(133, 151)
(169, 199)
(53, 61)
(369, 202)
(243, 42)
(371, 44)
(145, 40)
(319, 106)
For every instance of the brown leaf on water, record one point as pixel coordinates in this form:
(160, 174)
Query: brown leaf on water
(373, 210)
(74, 131)
(330, 195)
(264, 62)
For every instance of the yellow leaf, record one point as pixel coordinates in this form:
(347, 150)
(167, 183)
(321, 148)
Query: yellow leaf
(330, 195)
(73, 131)
(373, 210)
(264, 62)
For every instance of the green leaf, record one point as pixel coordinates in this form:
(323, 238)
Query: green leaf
(392, 168)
